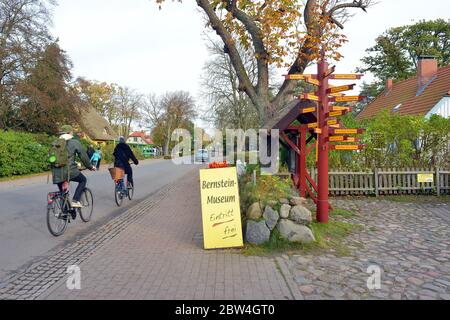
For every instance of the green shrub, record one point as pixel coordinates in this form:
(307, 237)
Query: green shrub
(23, 153)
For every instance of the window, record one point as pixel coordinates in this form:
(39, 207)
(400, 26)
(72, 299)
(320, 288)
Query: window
(397, 107)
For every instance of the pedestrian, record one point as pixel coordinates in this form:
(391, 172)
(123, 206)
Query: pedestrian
(100, 154)
(90, 151)
(95, 159)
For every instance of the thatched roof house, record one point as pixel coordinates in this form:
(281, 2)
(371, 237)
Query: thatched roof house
(96, 127)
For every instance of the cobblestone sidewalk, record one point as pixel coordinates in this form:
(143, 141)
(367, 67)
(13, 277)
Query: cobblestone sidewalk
(155, 251)
(161, 256)
(410, 242)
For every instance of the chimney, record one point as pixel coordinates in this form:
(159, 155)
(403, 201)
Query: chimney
(426, 70)
(389, 85)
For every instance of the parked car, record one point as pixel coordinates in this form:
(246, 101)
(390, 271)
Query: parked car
(202, 155)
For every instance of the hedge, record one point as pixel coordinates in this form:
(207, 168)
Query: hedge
(23, 153)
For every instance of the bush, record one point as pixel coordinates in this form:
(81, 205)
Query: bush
(23, 153)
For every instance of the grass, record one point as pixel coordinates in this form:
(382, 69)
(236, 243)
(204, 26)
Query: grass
(18, 177)
(328, 237)
(416, 198)
(343, 213)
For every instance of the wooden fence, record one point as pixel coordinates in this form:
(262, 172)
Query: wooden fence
(386, 182)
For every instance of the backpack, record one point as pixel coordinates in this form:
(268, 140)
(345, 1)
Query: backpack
(58, 155)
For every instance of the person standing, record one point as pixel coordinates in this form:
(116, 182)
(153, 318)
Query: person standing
(90, 151)
(99, 151)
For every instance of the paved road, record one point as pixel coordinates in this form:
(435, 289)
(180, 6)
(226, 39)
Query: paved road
(24, 237)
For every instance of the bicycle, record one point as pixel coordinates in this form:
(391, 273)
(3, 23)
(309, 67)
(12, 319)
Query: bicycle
(123, 190)
(60, 210)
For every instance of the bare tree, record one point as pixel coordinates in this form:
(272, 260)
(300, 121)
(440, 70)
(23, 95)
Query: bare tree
(227, 106)
(171, 111)
(24, 35)
(129, 106)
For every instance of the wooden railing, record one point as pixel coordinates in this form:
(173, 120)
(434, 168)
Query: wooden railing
(386, 181)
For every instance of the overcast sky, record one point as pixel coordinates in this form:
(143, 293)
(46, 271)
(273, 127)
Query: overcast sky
(133, 43)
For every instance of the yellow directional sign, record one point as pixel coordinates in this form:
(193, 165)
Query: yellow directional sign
(346, 76)
(312, 81)
(315, 125)
(347, 131)
(299, 76)
(308, 110)
(340, 88)
(221, 215)
(336, 113)
(318, 131)
(338, 108)
(309, 96)
(336, 139)
(347, 99)
(347, 147)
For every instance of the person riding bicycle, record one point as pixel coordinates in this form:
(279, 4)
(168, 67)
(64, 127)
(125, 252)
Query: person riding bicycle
(71, 172)
(122, 155)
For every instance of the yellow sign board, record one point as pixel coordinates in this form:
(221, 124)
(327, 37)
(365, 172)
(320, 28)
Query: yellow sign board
(346, 76)
(309, 96)
(308, 110)
(348, 99)
(221, 214)
(425, 178)
(346, 147)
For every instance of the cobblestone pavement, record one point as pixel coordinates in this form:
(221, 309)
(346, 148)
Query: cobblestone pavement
(155, 251)
(408, 241)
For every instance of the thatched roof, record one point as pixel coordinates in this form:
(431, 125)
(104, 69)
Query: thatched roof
(95, 126)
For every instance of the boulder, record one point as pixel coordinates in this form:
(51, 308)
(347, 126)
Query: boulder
(271, 217)
(254, 212)
(293, 232)
(284, 201)
(300, 215)
(272, 203)
(257, 232)
(298, 201)
(285, 211)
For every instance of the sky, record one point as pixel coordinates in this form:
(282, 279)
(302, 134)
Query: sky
(133, 43)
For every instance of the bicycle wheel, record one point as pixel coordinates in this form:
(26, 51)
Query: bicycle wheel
(56, 218)
(87, 200)
(130, 188)
(118, 194)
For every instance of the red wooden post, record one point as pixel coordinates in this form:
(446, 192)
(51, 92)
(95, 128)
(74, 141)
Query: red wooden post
(322, 166)
(303, 153)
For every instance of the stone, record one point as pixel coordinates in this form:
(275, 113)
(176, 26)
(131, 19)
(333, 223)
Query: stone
(285, 210)
(300, 215)
(254, 212)
(284, 201)
(257, 232)
(272, 203)
(293, 232)
(271, 217)
(298, 201)
(308, 289)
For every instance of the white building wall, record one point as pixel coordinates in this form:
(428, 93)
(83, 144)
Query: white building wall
(442, 108)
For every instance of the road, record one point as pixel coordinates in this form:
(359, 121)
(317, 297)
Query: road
(24, 237)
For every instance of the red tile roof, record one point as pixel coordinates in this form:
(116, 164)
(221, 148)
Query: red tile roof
(140, 134)
(406, 93)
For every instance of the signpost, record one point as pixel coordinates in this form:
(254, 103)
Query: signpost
(221, 215)
(326, 131)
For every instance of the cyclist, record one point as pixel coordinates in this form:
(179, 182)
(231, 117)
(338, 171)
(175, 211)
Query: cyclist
(122, 155)
(71, 172)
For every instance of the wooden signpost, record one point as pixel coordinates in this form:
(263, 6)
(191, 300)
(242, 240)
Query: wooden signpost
(325, 129)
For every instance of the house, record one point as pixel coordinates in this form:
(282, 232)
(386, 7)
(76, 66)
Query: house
(140, 139)
(425, 94)
(95, 127)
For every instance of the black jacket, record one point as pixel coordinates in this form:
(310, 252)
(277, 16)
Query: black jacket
(122, 155)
